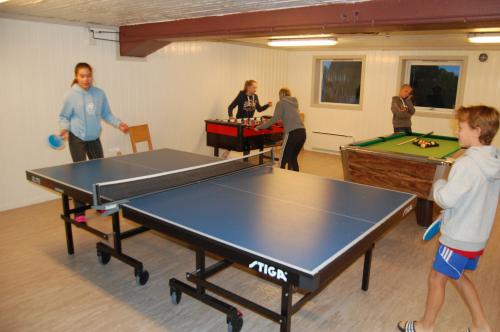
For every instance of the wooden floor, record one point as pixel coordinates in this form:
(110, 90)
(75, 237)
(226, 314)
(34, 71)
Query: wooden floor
(44, 289)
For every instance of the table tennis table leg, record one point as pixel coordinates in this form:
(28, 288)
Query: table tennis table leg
(246, 153)
(200, 270)
(424, 211)
(286, 307)
(117, 240)
(366, 269)
(199, 278)
(261, 156)
(67, 225)
(104, 252)
(216, 151)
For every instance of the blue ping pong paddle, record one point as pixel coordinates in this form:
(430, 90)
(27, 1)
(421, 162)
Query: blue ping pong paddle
(433, 229)
(56, 142)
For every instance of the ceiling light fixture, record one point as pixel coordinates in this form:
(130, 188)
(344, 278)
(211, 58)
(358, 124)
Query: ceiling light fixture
(324, 35)
(300, 42)
(484, 38)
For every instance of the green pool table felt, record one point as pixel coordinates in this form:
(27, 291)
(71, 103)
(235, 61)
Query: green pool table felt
(446, 146)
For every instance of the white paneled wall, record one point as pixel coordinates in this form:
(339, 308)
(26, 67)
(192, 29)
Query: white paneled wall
(381, 82)
(178, 87)
(174, 90)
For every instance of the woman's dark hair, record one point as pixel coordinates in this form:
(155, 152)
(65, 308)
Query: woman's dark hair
(80, 65)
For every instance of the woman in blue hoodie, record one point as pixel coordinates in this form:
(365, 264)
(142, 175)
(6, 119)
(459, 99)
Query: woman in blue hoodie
(80, 119)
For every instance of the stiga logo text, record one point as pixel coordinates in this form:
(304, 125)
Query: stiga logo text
(268, 270)
(407, 210)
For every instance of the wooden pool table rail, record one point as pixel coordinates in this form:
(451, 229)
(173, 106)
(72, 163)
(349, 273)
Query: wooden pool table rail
(397, 171)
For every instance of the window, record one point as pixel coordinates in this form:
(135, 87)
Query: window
(338, 83)
(436, 84)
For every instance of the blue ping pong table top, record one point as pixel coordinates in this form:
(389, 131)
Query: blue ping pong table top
(83, 175)
(298, 220)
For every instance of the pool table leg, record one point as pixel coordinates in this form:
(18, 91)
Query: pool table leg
(425, 211)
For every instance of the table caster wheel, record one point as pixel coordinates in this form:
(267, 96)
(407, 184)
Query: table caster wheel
(103, 257)
(142, 278)
(234, 322)
(175, 295)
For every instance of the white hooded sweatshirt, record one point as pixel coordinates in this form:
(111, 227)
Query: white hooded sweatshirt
(470, 198)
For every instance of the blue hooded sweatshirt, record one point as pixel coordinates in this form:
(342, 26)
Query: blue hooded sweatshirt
(83, 110)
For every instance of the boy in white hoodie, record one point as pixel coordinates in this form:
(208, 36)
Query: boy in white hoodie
(469, 199)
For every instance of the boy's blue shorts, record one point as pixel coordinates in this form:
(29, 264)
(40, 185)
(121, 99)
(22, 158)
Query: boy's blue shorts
(452, 264)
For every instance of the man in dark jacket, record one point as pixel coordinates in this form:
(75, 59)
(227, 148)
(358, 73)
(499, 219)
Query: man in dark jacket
(402, 110)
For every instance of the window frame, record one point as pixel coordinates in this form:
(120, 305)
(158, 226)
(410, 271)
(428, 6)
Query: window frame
(405, 70)
(317, 79)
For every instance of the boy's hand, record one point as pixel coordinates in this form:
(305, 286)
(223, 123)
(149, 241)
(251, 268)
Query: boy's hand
(123, 127)
(270, 104)
(64, 133)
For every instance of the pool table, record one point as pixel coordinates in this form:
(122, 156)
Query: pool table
(381, 162)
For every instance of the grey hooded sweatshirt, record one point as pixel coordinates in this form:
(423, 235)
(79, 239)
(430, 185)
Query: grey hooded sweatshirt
(470, 198)
(287, 110)
(399, 118)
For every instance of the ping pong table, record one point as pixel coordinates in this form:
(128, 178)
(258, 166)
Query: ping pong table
(294, 229)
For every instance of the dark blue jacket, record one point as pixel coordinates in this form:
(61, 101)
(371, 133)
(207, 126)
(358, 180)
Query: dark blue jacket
(247, 105)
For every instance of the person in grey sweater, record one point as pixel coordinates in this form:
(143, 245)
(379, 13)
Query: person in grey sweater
(469, 198)
(402, 110)
(287, 110)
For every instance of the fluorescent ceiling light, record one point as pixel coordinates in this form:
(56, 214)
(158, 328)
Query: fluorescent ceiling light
(325, 35)
(302, 42)
(1, 1)
(486, 38)
(482, 30)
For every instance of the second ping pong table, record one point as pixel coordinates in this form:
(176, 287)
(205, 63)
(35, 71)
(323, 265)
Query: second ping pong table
(294, 229)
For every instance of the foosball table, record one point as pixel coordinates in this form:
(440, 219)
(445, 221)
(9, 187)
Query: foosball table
(240, 134)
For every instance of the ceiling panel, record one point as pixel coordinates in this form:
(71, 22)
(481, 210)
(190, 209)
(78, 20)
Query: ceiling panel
(127, 12)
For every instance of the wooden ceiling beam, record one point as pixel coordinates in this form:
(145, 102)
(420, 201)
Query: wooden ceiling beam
(360, 17)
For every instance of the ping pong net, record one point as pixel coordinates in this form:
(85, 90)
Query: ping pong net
(107, 196)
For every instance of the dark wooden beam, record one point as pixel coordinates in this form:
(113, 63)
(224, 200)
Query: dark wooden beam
(141, 48)
(360, 17)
